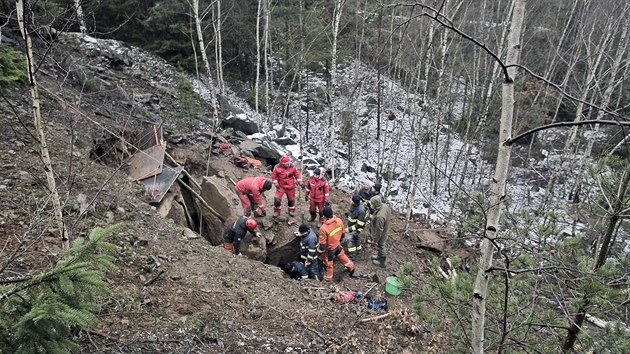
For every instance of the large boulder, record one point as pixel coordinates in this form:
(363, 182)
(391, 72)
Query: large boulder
(260, 151)
(227, 109)
(285, 140)
(212, 228)
(368, 168)
(222, 198)
(171, 207)
(240, 122)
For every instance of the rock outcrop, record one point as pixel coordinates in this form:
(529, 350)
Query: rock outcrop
(222, 198)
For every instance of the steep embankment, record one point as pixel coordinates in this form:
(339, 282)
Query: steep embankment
(173, 293)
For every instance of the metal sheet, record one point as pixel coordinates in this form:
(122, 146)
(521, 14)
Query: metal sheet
(157, 186)
(147, 163)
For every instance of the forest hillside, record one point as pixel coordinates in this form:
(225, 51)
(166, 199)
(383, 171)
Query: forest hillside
(496, 130)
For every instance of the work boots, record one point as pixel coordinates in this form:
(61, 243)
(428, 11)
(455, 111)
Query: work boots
(379, 261)
(313, 216)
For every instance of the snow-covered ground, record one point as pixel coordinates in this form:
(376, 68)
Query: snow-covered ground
(441, 165)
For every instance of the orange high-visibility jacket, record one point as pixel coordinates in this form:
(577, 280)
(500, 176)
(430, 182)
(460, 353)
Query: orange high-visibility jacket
(330, 233)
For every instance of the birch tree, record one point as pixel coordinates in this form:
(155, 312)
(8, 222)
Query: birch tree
(611, 85)
(218, 49)
(209, 81)
(594, 57)
(266, 51)
(79, 10)
(24, 12)
(330, 141)
(257, 81)
(499, 181)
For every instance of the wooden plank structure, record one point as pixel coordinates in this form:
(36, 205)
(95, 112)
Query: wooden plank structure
(157, 185)
(147, 163)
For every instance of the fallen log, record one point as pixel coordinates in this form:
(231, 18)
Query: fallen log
(369, 319)
(603, 323)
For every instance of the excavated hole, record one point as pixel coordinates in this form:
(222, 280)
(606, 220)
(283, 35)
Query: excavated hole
(285, 248)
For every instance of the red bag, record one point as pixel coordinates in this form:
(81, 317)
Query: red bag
(226, 148)
(344, 298)
(241, 161)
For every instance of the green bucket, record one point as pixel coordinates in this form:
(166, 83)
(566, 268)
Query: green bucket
(393, 286)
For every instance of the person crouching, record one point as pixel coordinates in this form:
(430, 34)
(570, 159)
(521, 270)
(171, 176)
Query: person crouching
(236, 232)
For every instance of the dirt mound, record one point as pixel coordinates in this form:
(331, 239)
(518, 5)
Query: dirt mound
(176, 292)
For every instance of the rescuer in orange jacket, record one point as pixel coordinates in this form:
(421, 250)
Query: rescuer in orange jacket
(250, 191)
(283, 177)
(330, 234)
(317, 192)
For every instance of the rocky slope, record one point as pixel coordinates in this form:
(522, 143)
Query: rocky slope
(176, 291)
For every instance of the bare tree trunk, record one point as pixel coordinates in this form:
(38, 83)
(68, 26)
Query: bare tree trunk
(331, 89)
(359, 86)
(444, 45)
(218, 48)
(417, 154)
(194, 46)
(266, 52)
(209, 82)
(610, 87)
(627, 137)
(379, 143)
(500, 179)
(490, 88)
(592, 70)
(257, 82)
(554, 53)
(417, 122)
(299, 88)
(79, 10)
(24, 10)
(592, 73)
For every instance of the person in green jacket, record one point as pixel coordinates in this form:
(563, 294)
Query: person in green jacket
(379, 229)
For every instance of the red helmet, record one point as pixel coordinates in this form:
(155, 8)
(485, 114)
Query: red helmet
(285, 161)
(251, 224)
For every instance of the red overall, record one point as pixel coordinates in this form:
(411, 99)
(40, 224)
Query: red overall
(284, 179)
(318, 191)
(249, 192)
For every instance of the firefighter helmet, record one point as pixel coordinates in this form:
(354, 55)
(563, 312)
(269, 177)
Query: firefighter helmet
(285, 161)
(251, 224)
